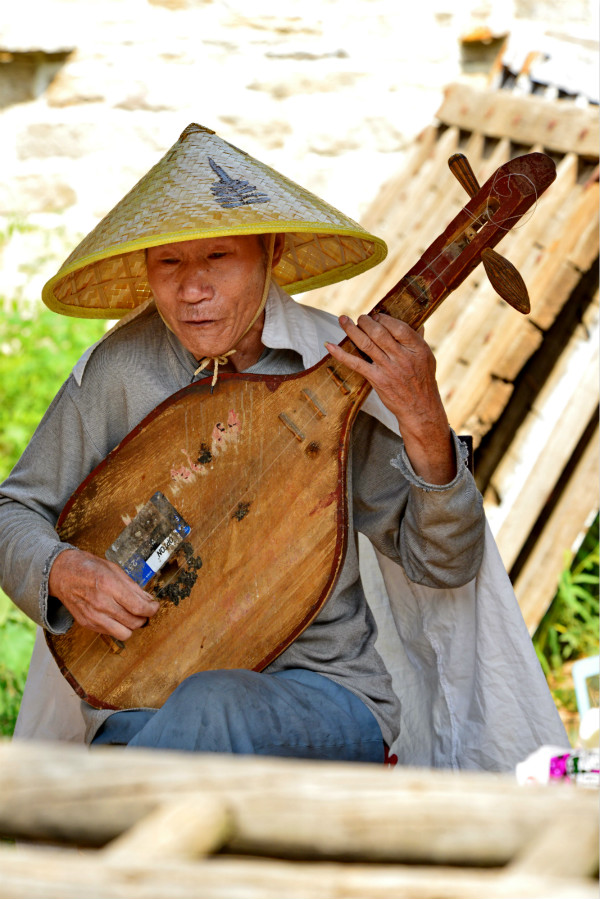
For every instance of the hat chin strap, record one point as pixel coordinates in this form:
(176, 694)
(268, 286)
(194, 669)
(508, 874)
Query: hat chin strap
(222, 359)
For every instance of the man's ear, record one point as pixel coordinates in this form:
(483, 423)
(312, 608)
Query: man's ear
(278, 248)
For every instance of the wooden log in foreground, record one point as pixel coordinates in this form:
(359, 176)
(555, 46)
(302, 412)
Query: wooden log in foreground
(36, 874)
(338, 829)
(280, 807)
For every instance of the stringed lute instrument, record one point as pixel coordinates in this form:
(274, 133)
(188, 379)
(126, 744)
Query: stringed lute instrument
(251, 479)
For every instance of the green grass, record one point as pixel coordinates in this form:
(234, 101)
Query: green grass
(36, 355)
(17, 634)
(569, 629)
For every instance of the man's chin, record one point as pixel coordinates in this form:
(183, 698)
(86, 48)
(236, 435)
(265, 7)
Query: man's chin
(196, 339)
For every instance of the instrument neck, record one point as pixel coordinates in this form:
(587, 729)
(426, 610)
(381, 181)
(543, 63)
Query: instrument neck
(409, 301)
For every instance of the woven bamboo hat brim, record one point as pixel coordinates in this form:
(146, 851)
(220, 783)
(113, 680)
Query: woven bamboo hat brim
(204, 187)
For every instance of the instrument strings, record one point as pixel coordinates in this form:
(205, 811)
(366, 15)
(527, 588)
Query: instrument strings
(486, 216)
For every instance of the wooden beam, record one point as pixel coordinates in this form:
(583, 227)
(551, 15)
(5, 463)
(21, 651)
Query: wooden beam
(53, 874)
(536, 584)
(189, 827)
(325, 813)
(557, 125)
(489, 410)
(277, 806)
(526, 476)
(31, 874)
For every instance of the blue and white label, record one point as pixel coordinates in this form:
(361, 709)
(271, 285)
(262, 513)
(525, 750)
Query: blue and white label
(149, 540)
(143, 570)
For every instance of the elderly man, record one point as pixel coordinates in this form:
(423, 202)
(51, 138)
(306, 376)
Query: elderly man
(201, 261)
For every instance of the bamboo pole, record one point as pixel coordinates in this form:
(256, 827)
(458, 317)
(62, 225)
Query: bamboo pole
(276, 806)
(31, 874)
(189, 827)
(536, 583)
(545, 441)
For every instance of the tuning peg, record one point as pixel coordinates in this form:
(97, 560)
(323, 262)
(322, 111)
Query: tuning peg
(464, 174)
(503, 276)
(506, 280)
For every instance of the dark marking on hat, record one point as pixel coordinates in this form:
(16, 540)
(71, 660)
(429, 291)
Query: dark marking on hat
(231, 192)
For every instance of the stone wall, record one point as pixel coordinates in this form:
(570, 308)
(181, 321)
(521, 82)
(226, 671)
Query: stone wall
(331, 93)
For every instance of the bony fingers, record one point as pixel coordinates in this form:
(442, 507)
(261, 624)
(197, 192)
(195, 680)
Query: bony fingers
(366, 335)
(388, 332)
(401, 331)
(152, 607)
(369, 324)
(353, 330)
(386, 339)
(346, 323)
(147, 605)
(116, 629)
(138, 606)
(128, 619)
(131, 596)
(106, 623)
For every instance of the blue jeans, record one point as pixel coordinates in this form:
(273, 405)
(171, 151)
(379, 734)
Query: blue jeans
(294, 713)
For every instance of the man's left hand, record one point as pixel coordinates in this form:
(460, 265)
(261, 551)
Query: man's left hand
(402, 372)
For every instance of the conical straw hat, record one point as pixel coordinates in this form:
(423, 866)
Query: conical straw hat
(205, 187)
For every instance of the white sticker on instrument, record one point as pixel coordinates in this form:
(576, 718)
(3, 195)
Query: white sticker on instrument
(163, 552)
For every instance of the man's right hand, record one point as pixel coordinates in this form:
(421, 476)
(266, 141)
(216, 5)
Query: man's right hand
(99, 595)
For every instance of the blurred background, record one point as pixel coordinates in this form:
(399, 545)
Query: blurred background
(361, 102)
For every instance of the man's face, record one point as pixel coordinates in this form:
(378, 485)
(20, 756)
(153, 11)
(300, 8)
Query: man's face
(208, 291)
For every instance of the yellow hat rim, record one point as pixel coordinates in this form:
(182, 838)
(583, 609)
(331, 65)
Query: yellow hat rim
(324, 279)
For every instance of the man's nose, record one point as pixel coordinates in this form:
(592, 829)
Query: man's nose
(194, 283)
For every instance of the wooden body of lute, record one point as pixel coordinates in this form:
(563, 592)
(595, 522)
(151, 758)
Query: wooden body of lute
(258, 470)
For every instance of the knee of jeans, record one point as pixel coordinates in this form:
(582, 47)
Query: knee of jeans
(223, 706)
(222, 683)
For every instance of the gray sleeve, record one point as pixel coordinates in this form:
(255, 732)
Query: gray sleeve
(86, 420)
(58, 457)
(435, 532)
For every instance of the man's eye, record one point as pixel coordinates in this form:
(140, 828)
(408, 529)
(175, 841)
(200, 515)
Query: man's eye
(217, 255)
